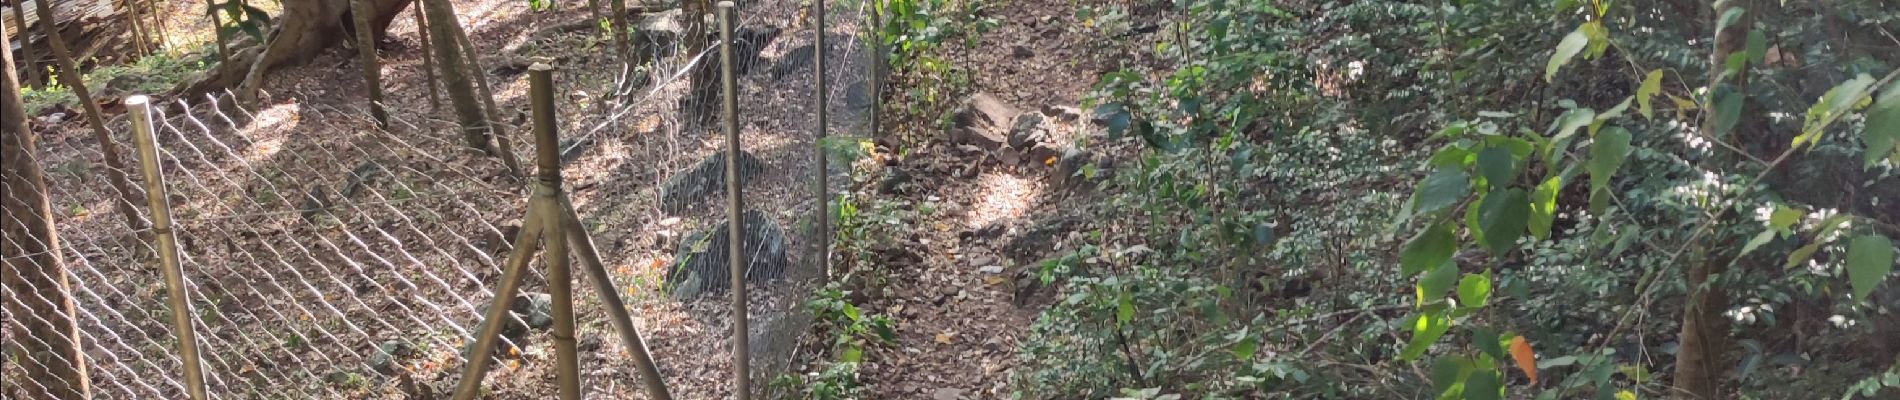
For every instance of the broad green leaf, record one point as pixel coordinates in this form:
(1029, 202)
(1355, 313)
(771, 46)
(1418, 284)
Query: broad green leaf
(1448, 374)
(1728, 109)
(1426, 330)
(1451, 157)
(1607, 154)
(1610, 114)
(1882, 134)
(1730, 17)
(1246, 347)
(1567, 49)
(1442, 189)
(1599, 38)
(852, 354)
(1488, 342)
(1760, 239)
(1433, 246)
(1433, 285)
(1869, 259)
(1544, 206)
(1652, 84)
(1474, 290)
(1484, 385)
(1497, 166)
(1625, 395)
(1838, 100)
(1784, 218)
(1757, 46)
(1568, 123)
(1504, 217)
(1117, 118)
(1802, 254)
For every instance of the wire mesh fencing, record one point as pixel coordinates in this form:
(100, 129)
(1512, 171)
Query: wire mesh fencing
(324, 257)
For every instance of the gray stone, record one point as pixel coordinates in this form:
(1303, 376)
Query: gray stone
(695, 187)
(1027, 131)
(701, 265)
(536, 310)
(982, 120)
(383, 360)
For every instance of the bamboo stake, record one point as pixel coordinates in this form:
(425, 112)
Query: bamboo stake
(822, 248)
(490, 332)
(548, 191)
(741, 370)
(583, 245)
(141, 113)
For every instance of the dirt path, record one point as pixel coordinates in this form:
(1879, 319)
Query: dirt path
(959, 314)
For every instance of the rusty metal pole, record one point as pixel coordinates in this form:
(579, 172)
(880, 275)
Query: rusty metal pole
(822, 249)
(583, 245)
(140, 108)
(741, 370)
(547, 202)
(490, 332)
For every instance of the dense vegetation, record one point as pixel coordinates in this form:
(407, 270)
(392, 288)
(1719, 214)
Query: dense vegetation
(1485, 199)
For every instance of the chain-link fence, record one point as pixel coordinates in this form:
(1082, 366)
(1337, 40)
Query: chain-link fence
(326, 258)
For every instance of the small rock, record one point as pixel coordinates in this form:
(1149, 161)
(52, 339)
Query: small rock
(993, 269)
(980, 121)
(534, 309)
(1062, 113)
(893, 180)
(1021, 52)
(1026, 131)
(701, 266)
(1043, 152)
(691, 187)
(979, 261)
(384, 359)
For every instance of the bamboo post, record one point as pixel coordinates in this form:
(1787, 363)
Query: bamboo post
(547, 194)
(366, 56)
(583, 245)
(428, 57)
(490, 331)
(741, 371)
(822, 248)
(141, 113)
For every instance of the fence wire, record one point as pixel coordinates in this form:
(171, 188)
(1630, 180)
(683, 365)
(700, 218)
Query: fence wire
(327, 258)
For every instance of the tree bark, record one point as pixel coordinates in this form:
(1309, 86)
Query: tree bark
(500, 130)
(37, 293)
(366, 53)
(428, 57)
(27, 60)
(74, 80)
(141, 40)
(455, 77)
(1699, 360)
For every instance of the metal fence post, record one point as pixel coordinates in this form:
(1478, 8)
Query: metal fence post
(741, 371)
(159, 200)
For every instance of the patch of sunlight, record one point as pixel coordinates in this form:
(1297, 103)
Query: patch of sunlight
(269, 129)
(1001, 197)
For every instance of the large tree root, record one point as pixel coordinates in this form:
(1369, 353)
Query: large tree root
(304, 29)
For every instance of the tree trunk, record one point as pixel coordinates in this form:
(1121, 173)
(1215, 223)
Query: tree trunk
(217, 33)
(428, 57)
(372, 70)
(500, 130)
(703, 88)
(1704, 333)
(141, 40)
(74, 80)
(36, 291)
(27, 60)
(303, 30)
(455, 77)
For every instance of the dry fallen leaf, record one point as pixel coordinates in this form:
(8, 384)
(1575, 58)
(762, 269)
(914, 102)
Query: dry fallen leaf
(943, 338)
(1526, 359)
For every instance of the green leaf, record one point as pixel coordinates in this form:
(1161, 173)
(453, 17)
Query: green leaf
(1567, 49)
(1869, 259)
(852, 354)
(1474, 290)
(1652, 84)
(1568, 123)
(1607, 154)
(1433, 285)
(1488, 342)
(1433, 246)
(1245, 349)
(1448, 374)
(1442, 189)
(1730, 17)
(1728, 109)
(1757, 46)
(1544, 206)
(1484, 385)
(1838, 100)
(1610, 114)
(1760, 239)
(1504, 217)
(1497, 166)
(1117, 118)
(1125, 308)
(1882, 134)
(1599, 38)
(1426, 330)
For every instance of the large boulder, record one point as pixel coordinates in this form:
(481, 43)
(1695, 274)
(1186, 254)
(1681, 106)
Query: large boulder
(983, 121)
(702, 266)
(690, 189)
